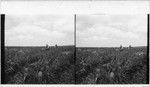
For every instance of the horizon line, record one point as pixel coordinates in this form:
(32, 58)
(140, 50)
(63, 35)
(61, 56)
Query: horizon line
(111, 46)
(74, 45)
(36, 46)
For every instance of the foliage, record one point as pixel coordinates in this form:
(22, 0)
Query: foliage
(110, 66)
(24, 63)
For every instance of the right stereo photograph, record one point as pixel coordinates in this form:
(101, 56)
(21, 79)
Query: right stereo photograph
(112, 49)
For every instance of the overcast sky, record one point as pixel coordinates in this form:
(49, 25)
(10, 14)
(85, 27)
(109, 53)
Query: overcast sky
(111, 30)
(39, 30)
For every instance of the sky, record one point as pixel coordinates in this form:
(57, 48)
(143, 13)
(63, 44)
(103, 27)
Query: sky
(39, 30)
(21, 11)
(111, 30)
(75, 7)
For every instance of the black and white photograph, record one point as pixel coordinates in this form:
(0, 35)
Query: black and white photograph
(63, 43)
(111, 49)
(39, 49)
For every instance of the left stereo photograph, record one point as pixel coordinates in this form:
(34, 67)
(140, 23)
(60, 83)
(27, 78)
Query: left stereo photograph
(38, 49)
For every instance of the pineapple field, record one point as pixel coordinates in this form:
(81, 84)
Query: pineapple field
(39, 65)
(111, 65)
